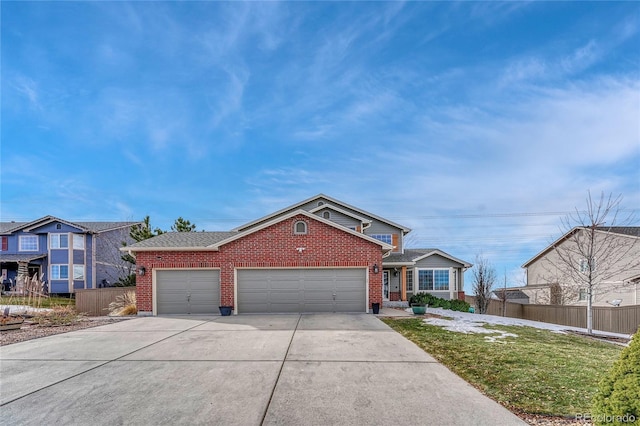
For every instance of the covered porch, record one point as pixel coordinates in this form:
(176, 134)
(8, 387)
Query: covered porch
(18, 268)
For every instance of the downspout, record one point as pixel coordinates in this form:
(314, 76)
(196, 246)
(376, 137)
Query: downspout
(94, 242)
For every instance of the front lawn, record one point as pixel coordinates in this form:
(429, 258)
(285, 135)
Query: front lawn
(538, 372)
(35, 302)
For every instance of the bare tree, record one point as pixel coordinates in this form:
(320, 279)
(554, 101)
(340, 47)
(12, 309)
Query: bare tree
(484, 277)
(503, 295)
(594, 257)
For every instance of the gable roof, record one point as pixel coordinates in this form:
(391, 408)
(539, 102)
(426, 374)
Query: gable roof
(181, 241)
(628, 231)
(95, 227)
(511, 294)
(411, 256)
(212, 241)
(317, 197)
(339, 210)
(633, 231)
(5, 227)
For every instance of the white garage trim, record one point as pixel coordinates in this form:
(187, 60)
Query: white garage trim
(154, 282)
(365, 306)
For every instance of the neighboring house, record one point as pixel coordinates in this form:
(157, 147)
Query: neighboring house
(551, 281)
(67, 255)
(318, 255)
(510, 295)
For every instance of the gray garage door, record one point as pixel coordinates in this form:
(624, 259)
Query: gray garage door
(301, 290)
(190, 291)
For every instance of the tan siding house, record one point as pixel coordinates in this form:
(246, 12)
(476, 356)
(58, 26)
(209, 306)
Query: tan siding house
(616, 266)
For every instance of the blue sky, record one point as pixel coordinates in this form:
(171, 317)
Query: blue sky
(476, 124)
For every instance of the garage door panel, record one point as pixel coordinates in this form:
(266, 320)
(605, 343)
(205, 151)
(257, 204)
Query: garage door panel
(187, 291)
(284, 297)
(315, 296)
(172, 280)
(301, 290)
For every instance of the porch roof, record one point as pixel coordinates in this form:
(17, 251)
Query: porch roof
(19, 258)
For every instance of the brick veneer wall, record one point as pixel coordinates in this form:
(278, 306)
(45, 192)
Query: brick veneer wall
(274, 246)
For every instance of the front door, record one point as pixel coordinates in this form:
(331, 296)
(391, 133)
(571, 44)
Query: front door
(34, 270)
(385, 285)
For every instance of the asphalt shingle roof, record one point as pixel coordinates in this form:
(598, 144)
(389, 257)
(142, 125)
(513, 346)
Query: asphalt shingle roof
(511, 294)
(408, 256)
(104, 226)
(20, 257)
(90, 226)
(184, 239)
(624, 230)
(5, 226)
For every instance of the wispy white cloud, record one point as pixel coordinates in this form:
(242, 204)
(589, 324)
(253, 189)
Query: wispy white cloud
(581, 58)
(28, 88)
(409, 110)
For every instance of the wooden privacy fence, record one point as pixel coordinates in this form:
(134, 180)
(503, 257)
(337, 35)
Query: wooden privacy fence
(621, 319)
(94, 302)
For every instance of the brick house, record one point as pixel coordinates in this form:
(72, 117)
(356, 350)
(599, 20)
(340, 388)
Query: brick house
(319, 255)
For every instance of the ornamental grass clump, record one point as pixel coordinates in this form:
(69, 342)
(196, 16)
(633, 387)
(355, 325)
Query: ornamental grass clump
(124, 305)
(618, 399)
(56, 316)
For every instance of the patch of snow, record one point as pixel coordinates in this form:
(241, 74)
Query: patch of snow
(21, 309)
(468, 327)
(460, 321)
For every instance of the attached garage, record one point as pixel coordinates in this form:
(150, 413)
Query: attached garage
(187, 291)
(302, 290)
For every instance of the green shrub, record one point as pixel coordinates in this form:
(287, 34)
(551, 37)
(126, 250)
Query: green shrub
(420, 299)
(460, 305)
(436, 302)
(618, 399)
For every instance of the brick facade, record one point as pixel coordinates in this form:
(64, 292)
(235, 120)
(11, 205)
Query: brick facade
(274, 246)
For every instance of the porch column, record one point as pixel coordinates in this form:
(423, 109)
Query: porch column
(403, 284)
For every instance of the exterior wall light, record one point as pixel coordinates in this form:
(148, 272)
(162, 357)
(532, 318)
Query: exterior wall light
(376, 269)
(142, 270)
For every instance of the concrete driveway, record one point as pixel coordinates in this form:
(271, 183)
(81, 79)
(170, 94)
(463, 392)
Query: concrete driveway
(244, 370)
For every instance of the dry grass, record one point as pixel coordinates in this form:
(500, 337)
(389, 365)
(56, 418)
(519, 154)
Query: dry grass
(124, 305)
(538, 372)
(56, 316)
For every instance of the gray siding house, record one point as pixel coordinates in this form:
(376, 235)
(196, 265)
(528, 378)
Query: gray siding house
(67, 255)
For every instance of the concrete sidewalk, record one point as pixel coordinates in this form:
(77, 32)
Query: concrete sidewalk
(244, 370)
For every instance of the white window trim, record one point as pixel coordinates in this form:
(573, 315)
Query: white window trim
(408, 274)
(295, 228)
(21, 237)
(56, 237)
(53, 277)
(79, 236)
(386, 277)
(416, 283)
(583, 295)
(584, 265)
(79, 267)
